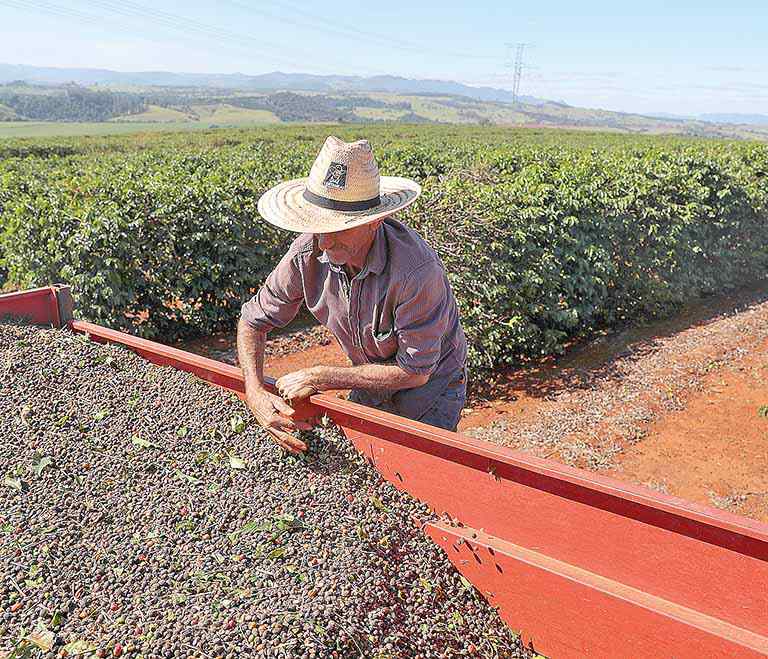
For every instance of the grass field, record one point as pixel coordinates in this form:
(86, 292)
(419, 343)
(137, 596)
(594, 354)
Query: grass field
(155, 113)
(10, 129)
(389, 114)
(223, 113)
(221, 118)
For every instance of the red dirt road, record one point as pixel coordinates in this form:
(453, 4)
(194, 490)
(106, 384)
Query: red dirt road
(715, 450)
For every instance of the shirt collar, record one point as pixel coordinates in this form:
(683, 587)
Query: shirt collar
(374, 262)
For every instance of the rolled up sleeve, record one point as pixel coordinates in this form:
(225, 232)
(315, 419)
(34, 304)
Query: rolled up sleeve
(278, 300)
(421, 319)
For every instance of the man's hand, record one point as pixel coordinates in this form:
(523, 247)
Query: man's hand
(273, 414)
(299, 384)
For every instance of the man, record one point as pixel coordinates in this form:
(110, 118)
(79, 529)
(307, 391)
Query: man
(372, 281)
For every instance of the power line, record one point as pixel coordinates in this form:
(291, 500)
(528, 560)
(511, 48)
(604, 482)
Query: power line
(178, 23)
(227, 39)
(188, 31)
(320, 23)
(315, 23)
(90, 19)
(183, 24)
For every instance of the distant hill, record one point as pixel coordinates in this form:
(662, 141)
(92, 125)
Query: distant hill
(265, 82)
(6, 114)
(329, 99)
(746, 119)
(726, 118)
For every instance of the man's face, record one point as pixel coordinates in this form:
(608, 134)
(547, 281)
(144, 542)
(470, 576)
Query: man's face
(342, 247)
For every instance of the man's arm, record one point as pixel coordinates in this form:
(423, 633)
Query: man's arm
(250, 354)
(275, 305)
(380, 377)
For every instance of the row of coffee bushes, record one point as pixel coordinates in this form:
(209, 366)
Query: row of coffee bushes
(542, 242)
(162, 242)
(545, 245)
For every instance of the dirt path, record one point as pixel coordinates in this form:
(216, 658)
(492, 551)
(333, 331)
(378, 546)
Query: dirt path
(715, 450)
(675, 406)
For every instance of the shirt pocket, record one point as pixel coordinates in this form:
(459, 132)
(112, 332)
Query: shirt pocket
(382, 331)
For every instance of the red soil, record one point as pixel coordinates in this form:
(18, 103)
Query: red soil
(706, 436)
(330, 355)
(715, 450)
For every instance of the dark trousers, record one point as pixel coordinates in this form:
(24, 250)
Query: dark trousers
(443, 412)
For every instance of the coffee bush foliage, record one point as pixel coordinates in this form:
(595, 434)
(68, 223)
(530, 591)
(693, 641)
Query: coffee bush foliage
(545, 235)
(542, 246)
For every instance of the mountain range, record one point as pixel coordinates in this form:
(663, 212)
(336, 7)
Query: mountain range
(263, 82)
(49, 94)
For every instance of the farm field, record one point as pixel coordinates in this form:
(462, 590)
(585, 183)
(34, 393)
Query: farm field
(154, 120)
(106, 137)
(154, 113)
(226, 114)
(542, 213)
(16, 129)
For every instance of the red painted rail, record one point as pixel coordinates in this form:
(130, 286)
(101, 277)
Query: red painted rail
(51, 305)
(583, 565)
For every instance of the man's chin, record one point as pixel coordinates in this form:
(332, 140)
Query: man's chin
(336, 260)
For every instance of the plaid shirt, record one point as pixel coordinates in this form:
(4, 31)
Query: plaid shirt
(399, 308)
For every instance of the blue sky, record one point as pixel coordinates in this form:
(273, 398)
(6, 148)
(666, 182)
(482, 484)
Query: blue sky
(675, 56)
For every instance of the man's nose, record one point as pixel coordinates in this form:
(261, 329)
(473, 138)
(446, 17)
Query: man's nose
(324, 241)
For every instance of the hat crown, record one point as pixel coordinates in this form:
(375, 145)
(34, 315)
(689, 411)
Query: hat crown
(345, 171)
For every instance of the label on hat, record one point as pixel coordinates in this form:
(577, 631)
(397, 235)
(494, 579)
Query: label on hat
(336, 176)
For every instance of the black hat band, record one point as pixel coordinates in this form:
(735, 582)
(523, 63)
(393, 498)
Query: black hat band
(336, 205)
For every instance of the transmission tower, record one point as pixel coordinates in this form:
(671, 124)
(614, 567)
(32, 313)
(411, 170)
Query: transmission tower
(517, 66)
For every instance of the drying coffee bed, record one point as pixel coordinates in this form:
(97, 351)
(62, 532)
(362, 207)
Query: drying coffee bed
(143, 514)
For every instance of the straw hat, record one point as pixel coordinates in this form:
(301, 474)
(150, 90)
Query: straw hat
(343, 190)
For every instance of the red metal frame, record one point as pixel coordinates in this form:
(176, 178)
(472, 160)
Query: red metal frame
(584, 565)
(38, 305)
(597, 616)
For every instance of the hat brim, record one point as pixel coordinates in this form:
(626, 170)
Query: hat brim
(285, 207)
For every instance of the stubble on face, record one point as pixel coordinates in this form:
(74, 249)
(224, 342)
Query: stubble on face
(344, 247)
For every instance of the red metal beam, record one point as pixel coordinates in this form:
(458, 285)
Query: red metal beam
(622, 560)
(39, 305)
(589, 615)
(699, 557)
(218, 373)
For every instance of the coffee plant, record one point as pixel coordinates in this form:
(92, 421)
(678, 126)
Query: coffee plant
(545, 235)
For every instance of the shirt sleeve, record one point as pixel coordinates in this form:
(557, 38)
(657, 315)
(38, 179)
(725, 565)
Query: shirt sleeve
(278, 300)
(421, 319)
